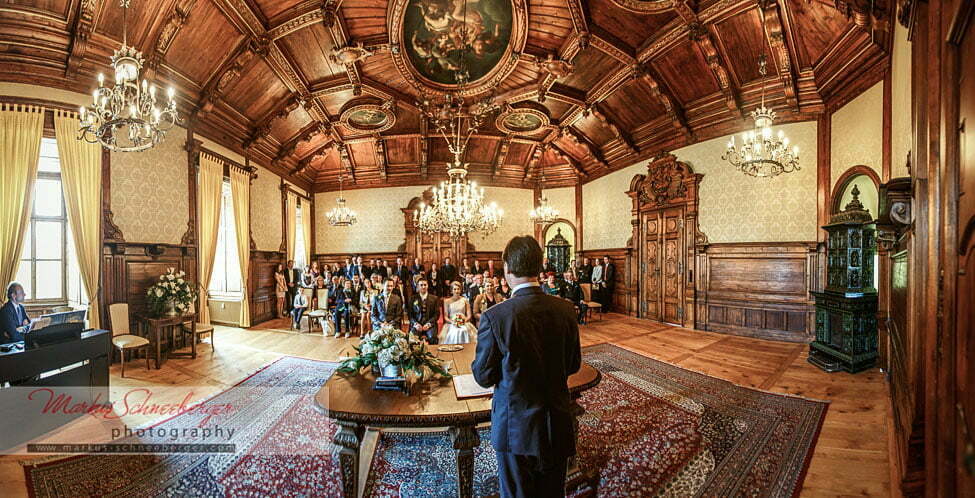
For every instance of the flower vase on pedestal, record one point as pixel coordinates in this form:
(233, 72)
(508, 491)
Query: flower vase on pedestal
(170, 308)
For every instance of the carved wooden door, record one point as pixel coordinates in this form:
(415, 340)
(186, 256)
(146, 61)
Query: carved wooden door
(433, 248)
(663, 264)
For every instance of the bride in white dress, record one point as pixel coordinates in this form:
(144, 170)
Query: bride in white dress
(456, 305)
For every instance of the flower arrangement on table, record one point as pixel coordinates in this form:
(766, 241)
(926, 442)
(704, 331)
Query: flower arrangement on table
(172, 294)
(459, 320)
(393, 351)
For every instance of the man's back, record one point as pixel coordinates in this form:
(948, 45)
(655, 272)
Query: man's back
(527, 347)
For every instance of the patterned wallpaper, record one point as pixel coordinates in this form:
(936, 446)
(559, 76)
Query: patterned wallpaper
(733, 207)
(857, 133)
(150, 196)
(380, 227)
(563, 199)
(869, 196)
(266, 216)
(900, 104)
(516, 203)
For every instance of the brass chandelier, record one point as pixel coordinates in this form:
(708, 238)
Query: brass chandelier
(458, 207)
(761, 154)
(124, 117)
(543, 214)
(340, 215)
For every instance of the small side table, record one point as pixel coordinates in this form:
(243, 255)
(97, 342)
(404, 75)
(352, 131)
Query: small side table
(169, 323)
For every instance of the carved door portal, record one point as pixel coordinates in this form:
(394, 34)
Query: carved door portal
(664, 237)
(429, 247)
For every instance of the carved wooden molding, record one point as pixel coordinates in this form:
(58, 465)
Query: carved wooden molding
(670, 104)
(83, 27)
(775, 32)
(501, 155)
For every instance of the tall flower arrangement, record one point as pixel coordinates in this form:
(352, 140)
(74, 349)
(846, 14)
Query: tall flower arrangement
(173, 293)
(389, 346)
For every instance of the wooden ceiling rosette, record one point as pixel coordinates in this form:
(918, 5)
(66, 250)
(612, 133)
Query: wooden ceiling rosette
(615, 81)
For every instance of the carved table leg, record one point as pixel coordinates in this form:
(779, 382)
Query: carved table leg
(349, 439)
(465, 439)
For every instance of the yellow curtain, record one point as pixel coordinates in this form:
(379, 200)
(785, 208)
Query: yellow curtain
(240, 182)
(306, 214)
(81, 175)
(209, 188)
(290, 219)
(21, 127)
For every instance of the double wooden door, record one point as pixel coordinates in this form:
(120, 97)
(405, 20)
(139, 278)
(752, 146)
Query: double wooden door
(662, 264)
(433, 248)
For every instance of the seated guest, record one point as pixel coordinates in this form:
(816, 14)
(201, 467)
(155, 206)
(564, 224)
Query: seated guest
(547, 266)
(397, 285)
(494, 270)
(416, 267)
(319, 284)
(387, 308)
(477, 281)
(424, 313)
(368, 269)
(366, 296)
(477, 268)
(572, 292)
(384, 269)
(483, 302)
(504, 289)
(345, 299)
(313, 272)
(457, 328)
(551, 287)
(465, 268)
(299, 305)
(434, 278)
(13, 317)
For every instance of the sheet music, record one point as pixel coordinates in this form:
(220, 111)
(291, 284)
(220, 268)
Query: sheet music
(466, 387)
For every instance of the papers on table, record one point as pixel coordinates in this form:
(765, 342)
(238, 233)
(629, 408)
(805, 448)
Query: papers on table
(466, 387)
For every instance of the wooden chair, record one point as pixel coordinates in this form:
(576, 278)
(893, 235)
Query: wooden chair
(320, 311)
(118, 314)
(202, 329)
(587, 294)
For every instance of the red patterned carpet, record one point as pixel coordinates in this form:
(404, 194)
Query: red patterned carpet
(650, 428)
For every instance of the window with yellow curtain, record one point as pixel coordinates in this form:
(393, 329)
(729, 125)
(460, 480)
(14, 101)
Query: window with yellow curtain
(48, 267)
(225, 281)
(299, 241)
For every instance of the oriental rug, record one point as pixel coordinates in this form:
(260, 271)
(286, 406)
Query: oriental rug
(282, 446)
(650, 428)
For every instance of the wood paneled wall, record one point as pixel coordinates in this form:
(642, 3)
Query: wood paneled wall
(758, 289)
(129, 269)
(624, 288)
(260, 285)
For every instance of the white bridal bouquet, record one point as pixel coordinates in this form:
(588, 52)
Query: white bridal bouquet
(391, 347)
(172, 294)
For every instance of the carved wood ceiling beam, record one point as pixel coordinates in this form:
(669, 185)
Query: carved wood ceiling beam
(565, 156)
(381, 159)
(611, 46)
(614, 127)
(776, 34)
(280, 111)
(384, 92)
(500, 155)
(221, 79)
(174, 22)
(83, 26)
(533, 162)
(671, 106)
(701, 36)
(296, 23)
(320, 152)
(580, 22)
(577, 137)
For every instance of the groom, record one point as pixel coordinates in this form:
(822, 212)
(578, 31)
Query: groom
(424, 313)
(527, 347)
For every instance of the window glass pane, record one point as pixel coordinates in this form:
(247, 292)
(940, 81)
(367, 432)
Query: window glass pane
(230, 238)
(23, 276)
(49, 280)
(26, 253)
(49, 239)
(47, 197)
(49, 156)
(299, 241)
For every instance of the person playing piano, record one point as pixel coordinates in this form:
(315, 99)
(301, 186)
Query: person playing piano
(13, 317)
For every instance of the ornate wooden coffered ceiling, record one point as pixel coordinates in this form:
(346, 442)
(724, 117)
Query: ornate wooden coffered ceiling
(311, 88)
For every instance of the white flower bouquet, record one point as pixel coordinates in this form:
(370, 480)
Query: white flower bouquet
(390, 346)
(173, 293)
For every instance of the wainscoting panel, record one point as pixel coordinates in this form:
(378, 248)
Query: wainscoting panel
(129, 269)
(261, 285)
(758, 289)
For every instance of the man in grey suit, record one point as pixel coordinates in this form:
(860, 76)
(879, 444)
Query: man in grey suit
(527, 347)
(387, 307)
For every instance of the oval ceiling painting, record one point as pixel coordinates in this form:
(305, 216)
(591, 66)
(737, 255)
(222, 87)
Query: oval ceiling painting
(450, 41)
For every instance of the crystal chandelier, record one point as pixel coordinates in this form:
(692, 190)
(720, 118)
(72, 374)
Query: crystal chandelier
(761, 154)
(458, 207)
(124, 117)
(543, 214)
(341, 216)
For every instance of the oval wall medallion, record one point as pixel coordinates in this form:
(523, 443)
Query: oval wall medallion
(645, 6)
(434, 39)
(368, 117)
(521, 120)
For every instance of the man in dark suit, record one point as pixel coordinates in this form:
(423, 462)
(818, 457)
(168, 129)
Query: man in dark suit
(387, 308)
(609, 276)
(345, 299)
(424, 313)
(477, 267)
(354, 269)
(405, 278)
(448, 273)
(13, 316)
(382, 270)
(291, 282)
(585, 272)
(527, 347)
(474, 289)
(572, 292)
(368, 269)
(416, 268)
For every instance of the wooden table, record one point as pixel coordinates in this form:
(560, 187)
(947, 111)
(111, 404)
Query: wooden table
(156, 325)
(353, 404)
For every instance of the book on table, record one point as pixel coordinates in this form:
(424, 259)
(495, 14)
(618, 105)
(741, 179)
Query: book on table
(466, 387)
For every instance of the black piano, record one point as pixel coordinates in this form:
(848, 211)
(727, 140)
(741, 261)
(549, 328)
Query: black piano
(60, 357)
